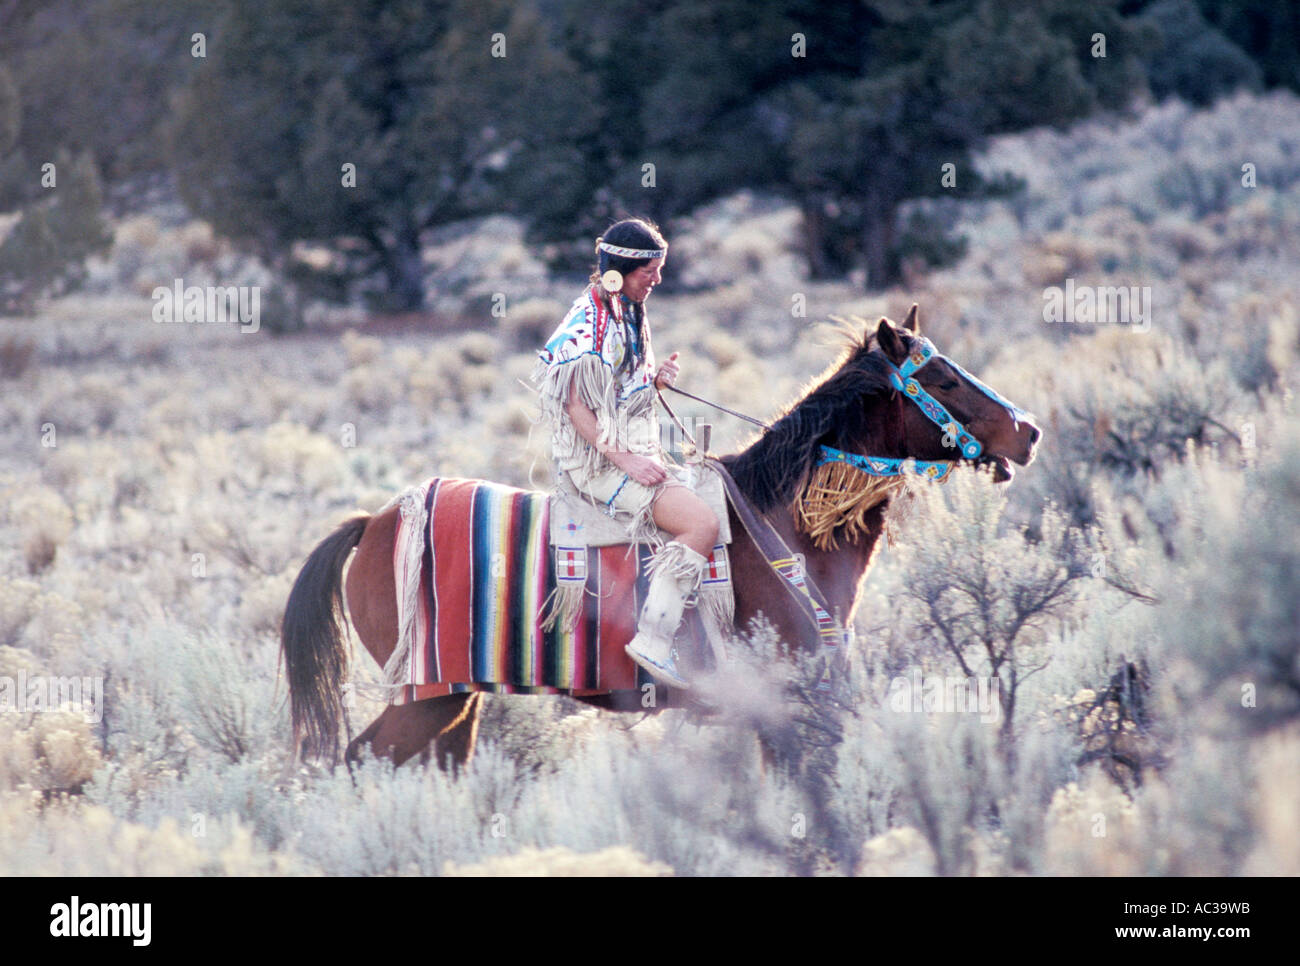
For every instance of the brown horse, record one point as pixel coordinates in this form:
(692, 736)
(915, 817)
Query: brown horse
(852, 407)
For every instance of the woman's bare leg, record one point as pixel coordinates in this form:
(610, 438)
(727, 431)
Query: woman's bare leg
(688, 518)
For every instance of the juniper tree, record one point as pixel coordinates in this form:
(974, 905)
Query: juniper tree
(97, 75)
(9, 112)
(46, 251)
(364, 124)
(850, 110)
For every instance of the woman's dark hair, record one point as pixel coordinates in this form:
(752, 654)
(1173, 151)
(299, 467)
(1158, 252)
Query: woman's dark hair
(629, 233)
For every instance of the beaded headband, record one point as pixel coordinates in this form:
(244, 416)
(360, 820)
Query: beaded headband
(632, 252)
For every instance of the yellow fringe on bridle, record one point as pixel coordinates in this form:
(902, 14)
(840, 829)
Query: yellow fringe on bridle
(840, 495)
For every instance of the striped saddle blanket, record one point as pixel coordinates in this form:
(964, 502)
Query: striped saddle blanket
(475, 573)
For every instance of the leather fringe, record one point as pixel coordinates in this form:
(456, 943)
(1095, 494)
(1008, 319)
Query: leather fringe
(598, 389)
(839, 495)
(717, 608)
(563, 606)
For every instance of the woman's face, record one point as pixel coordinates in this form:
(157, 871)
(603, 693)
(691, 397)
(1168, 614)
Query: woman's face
(637, 285)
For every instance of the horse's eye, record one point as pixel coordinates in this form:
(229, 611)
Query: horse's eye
(948, 385)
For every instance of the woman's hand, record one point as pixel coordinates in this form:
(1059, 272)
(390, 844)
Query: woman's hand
(644, 470)
(667, 373)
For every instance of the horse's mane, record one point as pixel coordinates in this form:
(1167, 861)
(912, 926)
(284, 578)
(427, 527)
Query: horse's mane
(776, 466)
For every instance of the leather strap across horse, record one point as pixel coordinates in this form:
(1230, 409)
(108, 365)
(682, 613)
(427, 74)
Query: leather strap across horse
(803, 589)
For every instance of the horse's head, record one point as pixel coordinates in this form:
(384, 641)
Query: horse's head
(888, 407)
(971, 421)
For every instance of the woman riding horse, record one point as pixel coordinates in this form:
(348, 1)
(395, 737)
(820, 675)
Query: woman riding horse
(597, 380)
(807, 521)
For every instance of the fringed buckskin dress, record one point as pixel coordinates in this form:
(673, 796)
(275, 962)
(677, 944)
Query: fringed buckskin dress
(603, 348)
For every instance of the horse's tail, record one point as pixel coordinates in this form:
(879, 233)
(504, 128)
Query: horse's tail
(312, 642)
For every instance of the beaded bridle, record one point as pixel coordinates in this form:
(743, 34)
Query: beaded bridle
(954, 433)
(789, 566)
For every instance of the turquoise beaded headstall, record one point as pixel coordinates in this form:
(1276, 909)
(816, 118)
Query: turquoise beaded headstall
(954, 433)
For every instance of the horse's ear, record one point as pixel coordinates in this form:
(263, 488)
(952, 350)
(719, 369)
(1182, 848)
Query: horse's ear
(890, 344)
(912, 323)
